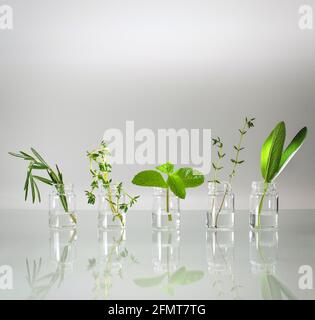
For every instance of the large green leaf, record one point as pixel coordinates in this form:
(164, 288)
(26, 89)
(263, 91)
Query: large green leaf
(192, 178)
(271, 152)
(177, 186)
(292, 149)
(149, 178)
(184, 277)
(150, 282)
(167, 168)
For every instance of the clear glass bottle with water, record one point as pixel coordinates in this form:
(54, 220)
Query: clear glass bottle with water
(166, 211)
(264, 205)
(62, 207)
(110, 216)
(220, 214)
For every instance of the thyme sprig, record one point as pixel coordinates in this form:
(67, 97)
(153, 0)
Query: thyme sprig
(100, 169)
(217, 165)
(236, 161)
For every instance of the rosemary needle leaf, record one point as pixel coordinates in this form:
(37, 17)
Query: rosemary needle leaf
(44, 180)
(38, 156)
(32, 188)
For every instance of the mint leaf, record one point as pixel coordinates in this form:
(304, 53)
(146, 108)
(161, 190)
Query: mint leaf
(191, 178)
(149, 178)
(177, 186)
(167, 168)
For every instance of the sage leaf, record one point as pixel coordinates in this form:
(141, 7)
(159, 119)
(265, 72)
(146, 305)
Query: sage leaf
(191, 177)
(149, 178)
(177, 186)
(271, 152)
(292, 149)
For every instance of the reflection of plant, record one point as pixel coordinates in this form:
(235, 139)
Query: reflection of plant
(218, 281)
(273, 289)
(274, 159)
(177, 181)
(36, 162)
(41, 284)
(216, 166)
(180, 277)
(100, 179)
(103, 273)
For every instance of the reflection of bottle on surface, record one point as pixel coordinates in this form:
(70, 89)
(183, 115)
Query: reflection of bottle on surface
(166, 250)
(220, 251)
(63, 247)
(62, 255)
(220, 259)
(263, 251)
(263, 260)
(111, 262)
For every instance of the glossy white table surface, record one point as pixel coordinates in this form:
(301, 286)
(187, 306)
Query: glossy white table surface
(141, 264)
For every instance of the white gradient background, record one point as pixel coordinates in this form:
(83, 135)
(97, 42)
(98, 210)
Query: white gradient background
(69, 70)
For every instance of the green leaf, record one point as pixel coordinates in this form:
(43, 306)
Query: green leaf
(192, 178)
(17, 155)
(38, 156)
(271, 152)
(292, 149)
(167, 168)
(149, 178)
(184, 277)
(177, 186)
(150, 282)
(32, 188)
(44, 180)
(37, 191)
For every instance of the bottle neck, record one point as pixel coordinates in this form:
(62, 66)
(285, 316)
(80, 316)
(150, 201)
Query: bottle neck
(63, 189)
(261, 187)
(223, 187)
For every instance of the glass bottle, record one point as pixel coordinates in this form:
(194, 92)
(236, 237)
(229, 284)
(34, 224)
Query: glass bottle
(166, 211)
(62, 207)
(221, 206)
(264, 205)
(110, 216)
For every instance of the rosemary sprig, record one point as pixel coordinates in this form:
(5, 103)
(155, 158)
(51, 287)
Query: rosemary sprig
(100, 179)
(55, 178)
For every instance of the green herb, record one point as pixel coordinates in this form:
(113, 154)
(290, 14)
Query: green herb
(55, 178)
(176, 181)
(101, 180)
(274, 159)
(236, 161)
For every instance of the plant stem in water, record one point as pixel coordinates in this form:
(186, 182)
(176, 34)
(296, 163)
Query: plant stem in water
(168, 205)
(261, 203)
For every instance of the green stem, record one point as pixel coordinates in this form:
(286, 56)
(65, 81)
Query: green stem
(168, 205)
(261, 203)
(233, 171)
